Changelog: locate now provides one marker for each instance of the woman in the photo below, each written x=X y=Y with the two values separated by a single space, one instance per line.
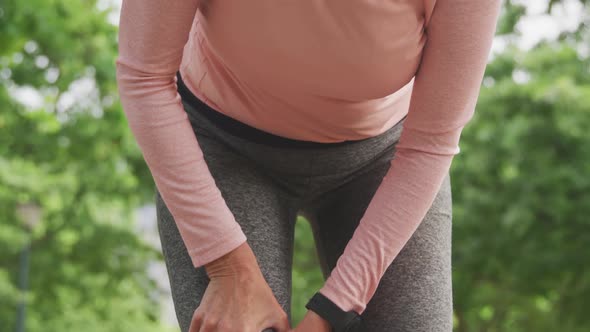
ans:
x=249 y=113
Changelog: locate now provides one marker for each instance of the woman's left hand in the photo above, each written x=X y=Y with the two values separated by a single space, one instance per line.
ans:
x=312 y=323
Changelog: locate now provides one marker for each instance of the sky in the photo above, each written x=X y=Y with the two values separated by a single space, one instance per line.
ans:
x=537 y=25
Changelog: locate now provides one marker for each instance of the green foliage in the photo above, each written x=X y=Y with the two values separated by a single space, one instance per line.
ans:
x=81 y=165
x=520 y=184
x=511 y=14
x=521 y=190
x=307 y=276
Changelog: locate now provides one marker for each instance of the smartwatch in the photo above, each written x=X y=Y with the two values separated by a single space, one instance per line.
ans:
x=339 y=320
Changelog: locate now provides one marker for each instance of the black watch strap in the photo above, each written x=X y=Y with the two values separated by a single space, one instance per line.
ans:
x=339 y=320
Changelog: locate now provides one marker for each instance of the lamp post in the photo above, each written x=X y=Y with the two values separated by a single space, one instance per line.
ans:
x=30 y=215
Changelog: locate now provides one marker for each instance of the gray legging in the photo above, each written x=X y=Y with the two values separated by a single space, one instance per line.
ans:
x=266 y=187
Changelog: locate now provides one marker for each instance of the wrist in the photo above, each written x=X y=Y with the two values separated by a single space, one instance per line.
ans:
x=318 y=321
x=338 y=319
x=240 y=261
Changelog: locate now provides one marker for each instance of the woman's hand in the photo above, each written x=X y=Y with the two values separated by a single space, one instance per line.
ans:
x=238 y=299
x=312 y=322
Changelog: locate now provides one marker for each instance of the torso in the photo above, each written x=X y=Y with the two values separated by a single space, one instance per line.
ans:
x=257 y=60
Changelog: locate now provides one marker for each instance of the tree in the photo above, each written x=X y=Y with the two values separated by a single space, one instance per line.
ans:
x=78 y=161
x=521 y=191
x=520 y=183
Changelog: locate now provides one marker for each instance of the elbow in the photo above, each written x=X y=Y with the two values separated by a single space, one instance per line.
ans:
x=440 y=152
x=130 y=74
x=441 y=144
x=137 y=80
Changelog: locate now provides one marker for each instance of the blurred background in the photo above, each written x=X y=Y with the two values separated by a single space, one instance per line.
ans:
x=79 y=249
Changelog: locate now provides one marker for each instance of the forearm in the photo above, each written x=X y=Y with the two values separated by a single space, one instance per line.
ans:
x=152 y=35
x=443 y=101
x=391 y=218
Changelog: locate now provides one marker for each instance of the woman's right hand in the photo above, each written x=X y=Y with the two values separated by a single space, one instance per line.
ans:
x=238 y=297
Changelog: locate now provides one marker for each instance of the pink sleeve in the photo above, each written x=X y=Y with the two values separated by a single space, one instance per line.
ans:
x=446 y=88
x=152 y=36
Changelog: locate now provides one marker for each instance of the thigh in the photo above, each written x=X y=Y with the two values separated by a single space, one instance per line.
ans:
x=266 y=216
x=415 y=293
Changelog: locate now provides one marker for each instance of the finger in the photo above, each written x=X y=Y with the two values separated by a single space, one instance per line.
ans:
x=209 y=324
x=194 y=327
x=195 y=324
x=197 y=320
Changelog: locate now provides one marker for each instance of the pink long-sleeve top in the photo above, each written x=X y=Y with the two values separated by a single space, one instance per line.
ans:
x=316 y=70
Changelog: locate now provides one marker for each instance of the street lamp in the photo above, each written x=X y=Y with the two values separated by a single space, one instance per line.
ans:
x=30 y=215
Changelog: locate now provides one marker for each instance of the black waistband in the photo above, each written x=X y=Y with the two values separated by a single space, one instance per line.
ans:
x=240 y=129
